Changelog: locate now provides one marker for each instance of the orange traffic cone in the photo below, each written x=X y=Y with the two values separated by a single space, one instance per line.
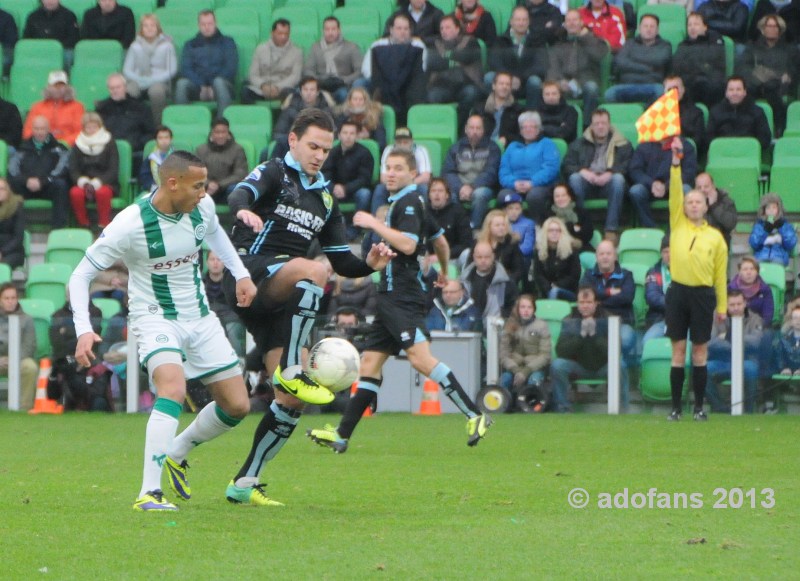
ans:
x=430 y=405
x=368 y=411
x=42 y=405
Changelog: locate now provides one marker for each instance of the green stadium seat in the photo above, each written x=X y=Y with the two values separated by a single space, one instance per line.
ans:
x=26 y=86
x=249 y=151
x=79 y=7
x=588 y=260
x=48 y=281
x=300 y=17
x=139 y=8
x=389 y=122
x=246 y=46
x=639 y=272
x=179 y=23
x=435 y=152
x=3 y=158
x=67 y=246
x=785 y=174
x=20 y=9
x=640 y=246
x=39 y=53
x=5 y=273
x=655 y=373
x=305 y=37
x=434 y=121
x=385 y=9
x=125 y=196
x=735 y=165
x=552 y=309
x=767 y=108
x=375 y=150
x=239 y=22
x=365 y=18
x=107 y=54
x=109 y=308
x=252 y=123
x=730 y=55
x=90 y=84
x=792 y=120
x=624 y=117
x=196 y=5
x=775 y=276
x=190 y=124
x=41 y=311
x=500 y=11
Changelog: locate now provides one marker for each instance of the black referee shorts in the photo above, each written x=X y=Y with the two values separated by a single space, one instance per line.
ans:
x=690 y=309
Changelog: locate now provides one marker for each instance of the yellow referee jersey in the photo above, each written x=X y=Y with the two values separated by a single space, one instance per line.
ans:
x=698 y=254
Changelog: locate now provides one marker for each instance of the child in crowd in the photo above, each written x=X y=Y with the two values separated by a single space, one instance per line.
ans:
x=148 y=174
x=523 y=226
x=773 y=238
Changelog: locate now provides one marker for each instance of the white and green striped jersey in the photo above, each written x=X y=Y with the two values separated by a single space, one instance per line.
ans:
x=162 y=253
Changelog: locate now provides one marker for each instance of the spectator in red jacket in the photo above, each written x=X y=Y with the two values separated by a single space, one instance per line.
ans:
x=606 y=22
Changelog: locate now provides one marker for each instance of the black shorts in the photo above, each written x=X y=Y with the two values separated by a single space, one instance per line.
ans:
x=268 y=327
x=690 y=309
x=396 y=326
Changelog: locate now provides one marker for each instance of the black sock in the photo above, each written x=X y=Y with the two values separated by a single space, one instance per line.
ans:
x=359 y=402
x=699 y=378
x=676 y=377
x=271 y=434
x=301 y=309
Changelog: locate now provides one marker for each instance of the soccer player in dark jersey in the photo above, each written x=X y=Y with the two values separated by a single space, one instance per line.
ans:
x=281 y=208
x=400 y=320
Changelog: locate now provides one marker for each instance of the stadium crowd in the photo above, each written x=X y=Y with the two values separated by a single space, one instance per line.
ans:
x=521 y=118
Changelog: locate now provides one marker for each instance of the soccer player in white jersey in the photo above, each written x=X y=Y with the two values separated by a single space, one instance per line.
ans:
x=159 y=238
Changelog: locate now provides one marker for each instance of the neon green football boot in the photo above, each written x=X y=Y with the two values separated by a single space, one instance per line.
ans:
x=294 y=381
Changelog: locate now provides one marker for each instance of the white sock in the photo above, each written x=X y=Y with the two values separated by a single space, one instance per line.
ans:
x=160 y=432
x=206 y=426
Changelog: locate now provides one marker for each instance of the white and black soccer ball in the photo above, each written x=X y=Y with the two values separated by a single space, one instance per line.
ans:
x=334 y=363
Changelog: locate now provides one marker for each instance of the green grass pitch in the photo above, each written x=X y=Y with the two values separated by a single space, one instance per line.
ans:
x=409 y=500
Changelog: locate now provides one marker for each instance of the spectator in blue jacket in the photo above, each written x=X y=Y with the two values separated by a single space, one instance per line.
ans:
x=454 y=310
x=208 y=65
x=470 y=169
x=656 y=283
x=615 y=290
x=649 y=173
x=773 y=238
x=530 y=167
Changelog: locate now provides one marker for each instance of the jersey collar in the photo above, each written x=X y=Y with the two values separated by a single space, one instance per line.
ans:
x=321 y=182
x=403 y=192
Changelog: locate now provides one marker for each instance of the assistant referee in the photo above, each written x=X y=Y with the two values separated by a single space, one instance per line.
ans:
x=699 y=266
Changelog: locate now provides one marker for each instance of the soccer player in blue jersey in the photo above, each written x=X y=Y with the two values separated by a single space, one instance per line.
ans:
x=401 y=309
x=281 y=209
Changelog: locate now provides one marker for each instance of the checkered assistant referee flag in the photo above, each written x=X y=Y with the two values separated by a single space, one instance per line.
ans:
x=661 y=120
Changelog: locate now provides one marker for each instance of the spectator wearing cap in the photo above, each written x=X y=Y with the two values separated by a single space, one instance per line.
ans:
x=471 y=167
x=524 y=227
x=404 y=141
x=59 y=107
x=529 y=167
x=656 y=283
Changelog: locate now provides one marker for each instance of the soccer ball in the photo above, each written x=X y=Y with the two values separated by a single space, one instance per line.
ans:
x=334 y=363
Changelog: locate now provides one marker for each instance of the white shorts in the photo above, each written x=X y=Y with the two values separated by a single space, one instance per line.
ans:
x=201 y=344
